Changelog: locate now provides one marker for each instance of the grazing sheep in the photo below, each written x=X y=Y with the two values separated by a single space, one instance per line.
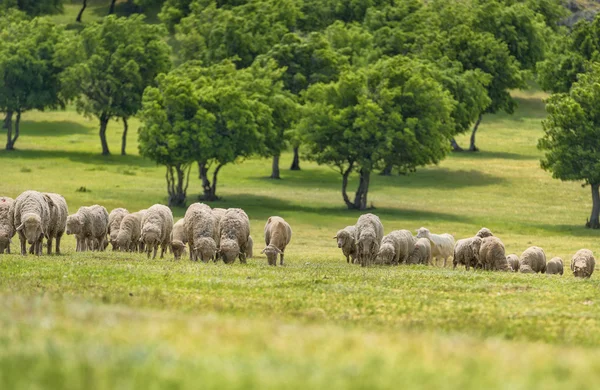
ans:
x=395 y=247
x=202 y=232
x=442 y=245
x=369 y=233
x=555 y=266
x=114 y=222
x=346 y=241
x=513 y=262
x=492 y=255
x=466 y=252
x=178 y=239
x=130 y=231
x=58 y=221
x=157 y=225
x=234 y=230
x=249 y=245
x=90 y=226
x=583 y=263
x=278 y=234
x=526 y=269
x=535 y=258
x=421 y=253
x=30 y=214
x=7 y=230
x=484 y=232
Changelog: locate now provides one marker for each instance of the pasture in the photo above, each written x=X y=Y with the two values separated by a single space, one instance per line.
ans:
x=115 y=320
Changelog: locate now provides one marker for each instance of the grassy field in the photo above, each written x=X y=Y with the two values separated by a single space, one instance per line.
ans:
x=106 y=320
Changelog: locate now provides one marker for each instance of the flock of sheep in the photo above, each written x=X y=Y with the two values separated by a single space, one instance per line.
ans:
x=213 y=234
x=365 y=244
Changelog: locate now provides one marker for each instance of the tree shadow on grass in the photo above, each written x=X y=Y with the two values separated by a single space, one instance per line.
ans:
x=75 y=156
x=485 y=155
x=52 y=129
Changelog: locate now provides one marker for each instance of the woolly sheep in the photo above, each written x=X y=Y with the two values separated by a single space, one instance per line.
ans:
x=234 y=230
x=442 y=245
x=278 y=234
x=466 y=252
x=346 y=241
x=492 y=254
x=396 y=247
x=583 y=263
x=178 y=239
x=555 y=266
x=130 y=231
x=114 y=223
x=369 y=233
x=157 y=225
x=484 y=232
x=90 y=226
x=421 y=253
x=201 y=229
x=7 y=230
x=58 y=221
x=533 y=257
x=513 y=262
x=30 y=214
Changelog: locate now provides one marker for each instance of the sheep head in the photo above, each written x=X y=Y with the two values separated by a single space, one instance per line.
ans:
x=343 y=237
x=271 y=251
x=526 y=269
x=178 y=249
x=31 y=228
x=74 y=224
x=580 y=269
x=5 y=240
x=229 y=250
x=484 y=232
x=206 y=249
x=386 y=253
x=150 y=236
x=423 y=233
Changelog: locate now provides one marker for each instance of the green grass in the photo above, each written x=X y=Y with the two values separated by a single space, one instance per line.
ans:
x=106 y=320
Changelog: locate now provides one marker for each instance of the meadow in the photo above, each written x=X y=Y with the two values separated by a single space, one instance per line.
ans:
x=115 y=320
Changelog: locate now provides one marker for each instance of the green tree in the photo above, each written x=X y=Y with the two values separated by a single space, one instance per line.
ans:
x=392 y=112
x=33 y=7
x=109 y=64
x=571 y=141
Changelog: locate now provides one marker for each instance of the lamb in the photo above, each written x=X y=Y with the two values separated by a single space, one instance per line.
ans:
x=555 y=266
x=513 y=262
x=278 y=234
x=234 y=231
x=157 y=225
x=58 y=221
x=583 y=263
x=466 y=252
x=534 y=258
x=346 y=241
x=484 y=232
x=202 y=232
x=369 y=233
x=90 y=226
x=130 y=231
x=492 y=254
x=421 y=253
x=7 y=230
x=30 y=214
x=178 y=239
x=442 y=245
x=114 y=222
x=396 y=247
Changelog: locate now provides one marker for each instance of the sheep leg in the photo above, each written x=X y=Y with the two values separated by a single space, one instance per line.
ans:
x=155 y=250
x=49 y=243
x=243 y=259
x=281 y=259
x=191 y=251
x=8 y=249
x=162 y=251
x=23 y=244
x=58 y=238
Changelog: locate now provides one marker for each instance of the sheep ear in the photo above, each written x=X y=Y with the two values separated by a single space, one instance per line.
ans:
x=20 y=227
x=49 y=200
x=335 y=237
x=263 y=251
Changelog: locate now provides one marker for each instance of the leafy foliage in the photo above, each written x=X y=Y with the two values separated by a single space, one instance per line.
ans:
x=33 y=7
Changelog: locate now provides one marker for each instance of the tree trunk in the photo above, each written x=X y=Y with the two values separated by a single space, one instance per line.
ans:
x=6 y=121
x=296 y=161
x=472 y=147
x=455 y=146
x=124 y=138
x=8 y=124
x=275 y=168
x=210 y=189
x=177 y=184
x=387 y=171
x=111 y=10
x=103 y=123
x=345 y=175
x=594 y=222
x=17 y=129
x=360 y=198
x=80 y=14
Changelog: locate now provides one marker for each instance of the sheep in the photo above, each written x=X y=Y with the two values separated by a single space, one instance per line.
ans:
x=492 y=255
x=513 y=262
x=234 y=230
x=178 y=239
x=114 y=222
x=421 y=253
x=130 y=230
x=396 y=247
x=219 y=213
x=157 y=225
x=30 y=214
x=278 y=234
x=484 y=232
x=369 y=233
x=201 y=229
x=7 y=230
x=346 y=241
x=555 y=266
x=58 y=221
x=442 y=245
x=466 y=252
x=90 y=226
x=533 y=257
x=249 y=245
x=583 y=263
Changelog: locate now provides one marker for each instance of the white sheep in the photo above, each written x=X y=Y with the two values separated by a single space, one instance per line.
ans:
x=532 y=258
x=369 y=233
x=492 y=255
x=513 y=262
x=396 y=247
x=114 y=223
x=90 y=226
x=442 y=245
x=555 y=266
x=58 y=221
x=421 y=253
x=466 y=252
x=7 y=230
x=346 y=241
x=157 y=225
x=278 y=234
x=130 y=231
x=202 y=232
x=178 y=239
x=234 y=230
x=583 y=263
x=30 y=214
